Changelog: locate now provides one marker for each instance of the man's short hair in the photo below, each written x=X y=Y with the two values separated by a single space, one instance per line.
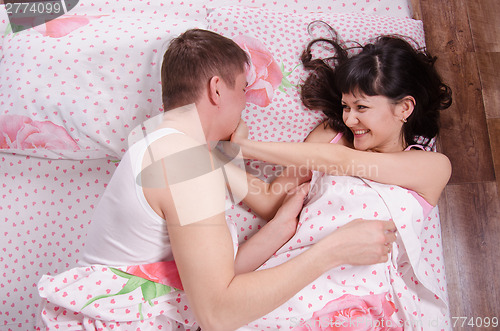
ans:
x=192 y=59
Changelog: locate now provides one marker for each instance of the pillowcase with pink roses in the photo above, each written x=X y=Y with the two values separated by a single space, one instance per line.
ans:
x=274 y=41
x=74 y=87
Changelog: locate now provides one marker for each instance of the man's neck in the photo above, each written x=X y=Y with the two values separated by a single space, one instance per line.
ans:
x=187 y=120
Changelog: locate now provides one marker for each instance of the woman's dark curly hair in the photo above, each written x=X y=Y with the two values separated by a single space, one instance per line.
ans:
x=387 y=66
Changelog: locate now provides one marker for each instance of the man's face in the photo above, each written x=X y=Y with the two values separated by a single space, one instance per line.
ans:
x=233 y=101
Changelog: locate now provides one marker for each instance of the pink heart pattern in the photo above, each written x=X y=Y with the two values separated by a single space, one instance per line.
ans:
x=47 y=204
x=97 y=77
x=46 y=207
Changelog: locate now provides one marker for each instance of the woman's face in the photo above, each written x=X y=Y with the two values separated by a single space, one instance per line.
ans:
x=374 y=121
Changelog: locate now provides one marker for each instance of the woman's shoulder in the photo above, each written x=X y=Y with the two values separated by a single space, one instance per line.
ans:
x=323 y=133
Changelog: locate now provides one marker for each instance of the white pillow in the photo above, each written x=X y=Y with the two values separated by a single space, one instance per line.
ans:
x=4 y=21
x=275 y=41
x=196 y=9
x=95 y=77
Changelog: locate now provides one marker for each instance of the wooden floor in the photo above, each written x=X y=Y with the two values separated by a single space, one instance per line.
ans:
x=465 y=35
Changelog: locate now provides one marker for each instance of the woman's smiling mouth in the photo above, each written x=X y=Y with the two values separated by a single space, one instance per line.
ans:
x=360 y=132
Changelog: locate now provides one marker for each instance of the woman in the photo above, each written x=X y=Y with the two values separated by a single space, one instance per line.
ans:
x=379 y=101
x=380 y=104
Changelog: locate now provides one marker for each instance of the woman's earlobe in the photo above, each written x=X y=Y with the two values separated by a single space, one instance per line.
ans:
x=407 y=105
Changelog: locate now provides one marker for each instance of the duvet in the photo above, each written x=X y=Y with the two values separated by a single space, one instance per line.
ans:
x=406 y=293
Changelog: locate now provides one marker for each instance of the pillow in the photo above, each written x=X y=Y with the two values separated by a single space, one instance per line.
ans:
x=90 y=78
x=4 y=21
x=274 y=41
x=196 y=9
x=193 y=10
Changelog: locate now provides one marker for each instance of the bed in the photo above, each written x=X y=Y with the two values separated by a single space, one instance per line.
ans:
x=71 y=91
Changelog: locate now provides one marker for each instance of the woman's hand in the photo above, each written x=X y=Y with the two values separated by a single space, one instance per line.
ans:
x=287 y=216
x=362 y=242
x=240 y=134
x=263 y=244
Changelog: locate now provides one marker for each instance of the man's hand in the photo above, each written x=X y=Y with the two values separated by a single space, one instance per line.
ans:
x=240 y=134
x=362 y=242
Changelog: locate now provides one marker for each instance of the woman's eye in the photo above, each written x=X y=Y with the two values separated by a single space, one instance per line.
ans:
x=361 y=107
x=345 y=108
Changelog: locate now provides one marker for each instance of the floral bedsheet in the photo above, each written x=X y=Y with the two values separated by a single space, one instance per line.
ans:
x=406 y=293
x=143 y=297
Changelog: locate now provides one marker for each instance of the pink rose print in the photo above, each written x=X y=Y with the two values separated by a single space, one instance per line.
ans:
x=63 y=25
x=21 y=132
x=154 y=279
x=264 y=74
x=350 y=312
x=160 y=272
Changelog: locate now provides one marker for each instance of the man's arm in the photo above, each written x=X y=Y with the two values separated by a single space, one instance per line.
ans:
x=203 y=251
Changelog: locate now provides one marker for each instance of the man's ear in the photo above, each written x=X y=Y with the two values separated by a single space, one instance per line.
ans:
x=213 y=90
x=406 y=106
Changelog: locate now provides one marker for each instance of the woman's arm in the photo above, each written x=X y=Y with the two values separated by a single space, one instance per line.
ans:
x=423 y=172
x=264 y=198
x=265 y=242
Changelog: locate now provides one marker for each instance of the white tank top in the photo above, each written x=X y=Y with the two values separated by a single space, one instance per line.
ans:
x=125 y=230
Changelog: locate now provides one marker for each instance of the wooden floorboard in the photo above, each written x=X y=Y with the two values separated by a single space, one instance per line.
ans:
x=494 y=130
x=446 y=25
x=465 y=36
x=489 y=64
x=464 y=131
x=470 y=228
x=485 y=27
x=485 y=24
